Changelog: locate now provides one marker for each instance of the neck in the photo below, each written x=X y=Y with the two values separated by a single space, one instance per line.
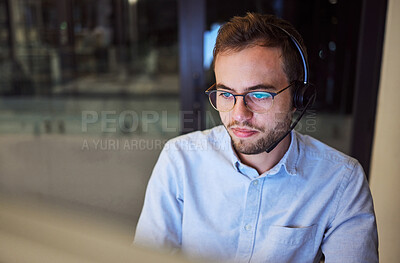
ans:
x=264 y=161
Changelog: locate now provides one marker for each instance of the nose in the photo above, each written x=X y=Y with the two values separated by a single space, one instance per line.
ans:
x=240 y=112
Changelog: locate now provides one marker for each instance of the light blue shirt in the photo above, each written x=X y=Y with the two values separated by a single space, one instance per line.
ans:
x=203 y=201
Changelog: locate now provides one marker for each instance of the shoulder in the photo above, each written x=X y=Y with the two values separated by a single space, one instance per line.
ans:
x=311 y=149
x=329 y=170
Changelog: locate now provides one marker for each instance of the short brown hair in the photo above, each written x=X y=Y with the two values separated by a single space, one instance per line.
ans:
x=257 y=29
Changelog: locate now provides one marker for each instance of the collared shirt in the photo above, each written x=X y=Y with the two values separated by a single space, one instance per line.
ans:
x=203 y=201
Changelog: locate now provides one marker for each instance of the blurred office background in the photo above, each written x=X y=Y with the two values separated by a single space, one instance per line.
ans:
x=91 y=90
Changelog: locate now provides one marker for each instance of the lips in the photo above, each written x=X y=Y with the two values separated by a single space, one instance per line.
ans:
x=243 y=132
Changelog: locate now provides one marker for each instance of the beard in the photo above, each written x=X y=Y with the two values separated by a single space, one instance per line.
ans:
x=268 y=137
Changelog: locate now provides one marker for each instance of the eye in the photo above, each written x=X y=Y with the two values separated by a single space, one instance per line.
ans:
x=260 y=95
x=225 y=94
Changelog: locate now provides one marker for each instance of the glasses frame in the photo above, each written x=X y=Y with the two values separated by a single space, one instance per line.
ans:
x=273 y=95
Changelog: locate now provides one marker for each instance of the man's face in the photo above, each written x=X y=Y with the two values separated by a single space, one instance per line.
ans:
x=239 y=72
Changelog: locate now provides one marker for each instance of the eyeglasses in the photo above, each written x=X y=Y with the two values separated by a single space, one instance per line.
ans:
x=255 y=101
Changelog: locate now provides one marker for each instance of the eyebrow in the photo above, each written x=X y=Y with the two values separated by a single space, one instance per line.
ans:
x=252 y=88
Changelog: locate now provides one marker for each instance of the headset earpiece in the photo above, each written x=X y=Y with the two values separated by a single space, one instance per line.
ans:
x=303 y=93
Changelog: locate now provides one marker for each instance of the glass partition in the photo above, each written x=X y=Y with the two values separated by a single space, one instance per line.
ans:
x=89 y=94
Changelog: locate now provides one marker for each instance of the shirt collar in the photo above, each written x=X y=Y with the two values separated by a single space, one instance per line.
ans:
x=288 y=161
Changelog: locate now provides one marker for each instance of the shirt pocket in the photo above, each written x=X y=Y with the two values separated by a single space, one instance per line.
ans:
x=291 y=244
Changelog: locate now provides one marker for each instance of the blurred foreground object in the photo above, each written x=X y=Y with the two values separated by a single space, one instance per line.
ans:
x=31 y=231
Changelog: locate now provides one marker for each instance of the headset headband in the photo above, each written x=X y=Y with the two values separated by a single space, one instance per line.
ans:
x=300 y=49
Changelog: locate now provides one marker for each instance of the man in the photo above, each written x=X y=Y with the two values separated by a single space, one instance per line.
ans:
x=219 y=194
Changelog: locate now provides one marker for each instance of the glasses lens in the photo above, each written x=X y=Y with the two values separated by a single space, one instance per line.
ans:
x=259 y=101
x=221 y=100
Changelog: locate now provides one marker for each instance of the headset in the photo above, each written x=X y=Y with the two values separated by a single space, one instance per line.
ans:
x=304 y=93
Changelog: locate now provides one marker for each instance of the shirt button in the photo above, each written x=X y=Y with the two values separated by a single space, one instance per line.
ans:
x=247 y=227
x=255 y=182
